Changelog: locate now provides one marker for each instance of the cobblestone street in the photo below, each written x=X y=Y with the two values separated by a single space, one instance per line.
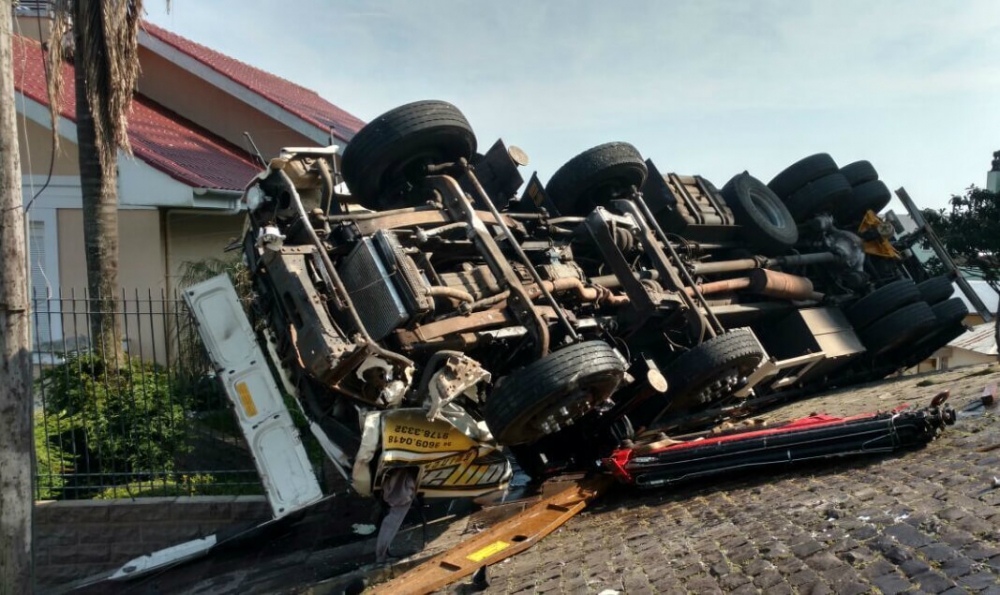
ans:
x=924 y=521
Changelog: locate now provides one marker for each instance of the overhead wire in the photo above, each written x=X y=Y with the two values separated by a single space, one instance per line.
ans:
x=52 y=151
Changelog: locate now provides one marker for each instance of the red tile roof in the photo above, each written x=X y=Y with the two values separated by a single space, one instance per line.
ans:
x=163 y=139
x=296 y=99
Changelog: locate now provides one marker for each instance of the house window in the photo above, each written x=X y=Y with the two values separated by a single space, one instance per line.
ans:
x=46 y=327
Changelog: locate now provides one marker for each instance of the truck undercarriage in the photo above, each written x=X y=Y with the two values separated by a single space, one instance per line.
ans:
x=615 y=303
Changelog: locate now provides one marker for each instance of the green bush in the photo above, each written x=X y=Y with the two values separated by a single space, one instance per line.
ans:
x=128 y=417
x=52 y=434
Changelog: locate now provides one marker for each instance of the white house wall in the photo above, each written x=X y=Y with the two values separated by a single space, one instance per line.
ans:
x=139 y=184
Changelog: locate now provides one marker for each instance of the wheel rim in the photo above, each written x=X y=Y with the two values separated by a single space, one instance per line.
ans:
x=766 y=208
x=562 y=408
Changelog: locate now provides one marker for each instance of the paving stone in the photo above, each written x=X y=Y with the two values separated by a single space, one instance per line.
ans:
x=807 y=548
x=933 y=582
x=891 y=584
x=824 y=561
x=744 y=589
x=912 y=568
x=957 y=567
x=907 y=535
x=938 y=552
x=803 y=577
x=974 y=525
x=755 y=567
x=856 y=557
x=818 y=588
x=703 y=584
x=768 y=578
x=980 y=551
x=780 y=589
x=690 y=570
x=878 y=568
x=978 y=581
x=732 y=580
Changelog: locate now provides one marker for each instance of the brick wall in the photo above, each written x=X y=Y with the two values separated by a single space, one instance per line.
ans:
x=78 y=539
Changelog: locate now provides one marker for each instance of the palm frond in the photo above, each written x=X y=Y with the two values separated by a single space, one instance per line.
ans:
x=106 y=34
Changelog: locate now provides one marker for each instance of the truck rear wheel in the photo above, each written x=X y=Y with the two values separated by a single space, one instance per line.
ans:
x=802 y=172
x=881 y=302
x=869 y=196
x=859 y=172
x=765 y=221
x=552 y=392
x=898 y=328
x=936 y=289
x=702 y=376
x=951 y=311
x=592 y=178
x=818 y=195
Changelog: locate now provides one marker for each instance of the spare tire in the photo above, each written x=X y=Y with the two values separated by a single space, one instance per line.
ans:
x=702 y=375
x=936 y=289
x=868 y=196
x=553 y=391
x=802 y=172
x=859 y=172
x=393 y=148
x=764 y=220
x=882 y=301
x=951 y=311
x=592 y=178
x=898 y=328
x=818 y=195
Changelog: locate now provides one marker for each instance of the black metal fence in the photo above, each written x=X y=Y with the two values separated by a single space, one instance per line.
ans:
x=144 y=420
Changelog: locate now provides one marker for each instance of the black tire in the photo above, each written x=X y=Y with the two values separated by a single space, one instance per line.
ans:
x=802 y=172
x=907 y=356
x=905 y=325
x=936 y=290
x=575 y=378
x=859 y=172
x=818 y=195
x=882 y=301
x=593 y=177
x=765 y=222
x=950 y=312
x=392 y=148
x=702 y=376
x=869 y=196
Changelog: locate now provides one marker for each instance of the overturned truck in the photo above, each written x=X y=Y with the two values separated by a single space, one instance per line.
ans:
x=425 y=314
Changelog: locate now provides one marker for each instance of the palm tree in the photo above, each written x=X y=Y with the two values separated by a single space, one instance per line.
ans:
x=105 y=50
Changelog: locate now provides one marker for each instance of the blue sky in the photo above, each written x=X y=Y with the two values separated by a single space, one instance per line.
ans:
x=710 y=88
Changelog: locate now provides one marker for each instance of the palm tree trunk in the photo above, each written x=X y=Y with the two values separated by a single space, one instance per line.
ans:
x=99 y=186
